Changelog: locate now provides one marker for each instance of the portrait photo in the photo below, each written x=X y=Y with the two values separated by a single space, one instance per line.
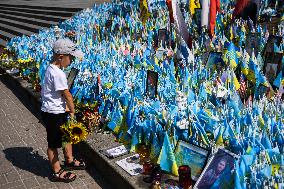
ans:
x=193 y=156
x=71 y=77
x=218 y=171
x=162 y=38
x=253 y=43
x=152 y=84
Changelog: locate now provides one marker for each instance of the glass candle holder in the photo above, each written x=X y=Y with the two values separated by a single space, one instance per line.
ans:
x=185 y=180
x=147 y=166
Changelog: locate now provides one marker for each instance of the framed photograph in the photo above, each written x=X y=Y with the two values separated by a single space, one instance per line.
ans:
x=152 y=84
x=215 y=61
x=193 y=156
x=253 y=43
x=218 y=172
x=269 y=47
x=163 y=38
x=71 y=77
x=272 y=65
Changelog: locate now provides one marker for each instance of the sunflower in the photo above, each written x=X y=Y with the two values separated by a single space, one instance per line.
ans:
x=74 y=132
x=77 y=132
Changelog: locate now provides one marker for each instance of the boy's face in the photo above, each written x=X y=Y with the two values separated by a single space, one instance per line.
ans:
x=66 y=60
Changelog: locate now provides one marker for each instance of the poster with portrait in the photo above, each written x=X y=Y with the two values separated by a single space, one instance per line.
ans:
x=193 y=156
x=218 y=172
x=71 y=77
x=152 y=84
x=253 y=43
x=163 y=38
x=272 y=65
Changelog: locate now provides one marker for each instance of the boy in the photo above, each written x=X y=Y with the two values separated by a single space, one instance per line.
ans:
x=55 y=96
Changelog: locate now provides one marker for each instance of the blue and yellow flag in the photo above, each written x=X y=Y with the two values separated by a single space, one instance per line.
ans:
x=116 y=120
x=230 y=56
x=167 y=159
x=155 y=148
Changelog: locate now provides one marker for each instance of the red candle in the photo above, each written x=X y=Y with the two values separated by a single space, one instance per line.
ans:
x=185 y=176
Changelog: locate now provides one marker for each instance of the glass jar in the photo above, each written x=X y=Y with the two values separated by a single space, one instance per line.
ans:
x=184 y=172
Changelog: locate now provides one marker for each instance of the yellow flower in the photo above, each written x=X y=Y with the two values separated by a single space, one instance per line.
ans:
x=77 y=132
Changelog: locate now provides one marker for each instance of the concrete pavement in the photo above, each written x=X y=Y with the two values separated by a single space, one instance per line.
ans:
x=23 y=159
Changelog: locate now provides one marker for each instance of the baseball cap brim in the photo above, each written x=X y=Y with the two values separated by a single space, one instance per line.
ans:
x=78 y=54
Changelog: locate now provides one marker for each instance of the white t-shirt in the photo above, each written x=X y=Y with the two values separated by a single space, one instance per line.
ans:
x=55 y=81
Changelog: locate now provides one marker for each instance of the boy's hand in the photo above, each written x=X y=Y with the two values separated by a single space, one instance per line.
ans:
x=67 y=109
x=72 y=116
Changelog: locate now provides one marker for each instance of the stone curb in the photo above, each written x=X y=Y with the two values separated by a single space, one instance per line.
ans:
x=89 y=149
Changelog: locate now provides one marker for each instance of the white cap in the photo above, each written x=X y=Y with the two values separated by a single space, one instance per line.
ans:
x=66 y=46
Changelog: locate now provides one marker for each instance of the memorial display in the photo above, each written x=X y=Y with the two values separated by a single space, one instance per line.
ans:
x=160 y=72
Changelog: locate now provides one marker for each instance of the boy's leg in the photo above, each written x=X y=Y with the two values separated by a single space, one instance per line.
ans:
x=52 y=154
x=68 y=153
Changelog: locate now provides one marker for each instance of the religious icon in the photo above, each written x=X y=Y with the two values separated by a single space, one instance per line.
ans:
x=218 y=171
x=152 y=84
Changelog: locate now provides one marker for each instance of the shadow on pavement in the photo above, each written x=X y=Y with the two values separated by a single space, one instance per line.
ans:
x=26 y=159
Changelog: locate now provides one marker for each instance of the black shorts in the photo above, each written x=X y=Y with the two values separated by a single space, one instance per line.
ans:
x=52 y=124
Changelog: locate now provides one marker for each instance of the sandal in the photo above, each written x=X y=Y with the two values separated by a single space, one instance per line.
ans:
x=73 y=165
x=56 y=177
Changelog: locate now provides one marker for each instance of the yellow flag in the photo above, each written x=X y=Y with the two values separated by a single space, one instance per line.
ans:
x=193 y=5
x=144 y=11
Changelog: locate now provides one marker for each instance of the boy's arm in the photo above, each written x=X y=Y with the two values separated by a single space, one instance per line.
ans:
x=69 y=102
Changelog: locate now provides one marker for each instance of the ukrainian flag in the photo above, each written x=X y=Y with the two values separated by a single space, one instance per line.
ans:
x=155 y=148
x=230 y=56
x=167 y=158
